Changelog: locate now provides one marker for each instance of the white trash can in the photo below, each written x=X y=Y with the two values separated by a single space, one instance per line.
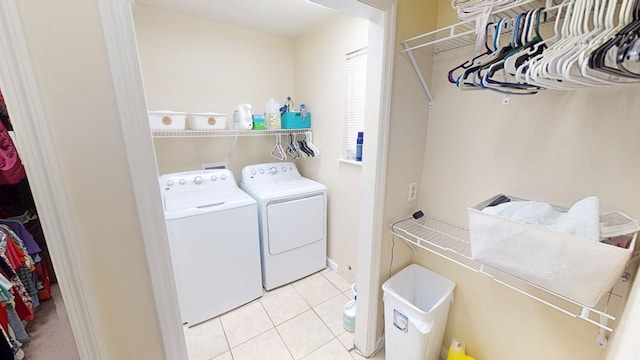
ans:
x=416 y=306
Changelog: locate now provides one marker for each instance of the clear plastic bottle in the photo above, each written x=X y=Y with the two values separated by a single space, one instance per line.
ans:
x=272 y=114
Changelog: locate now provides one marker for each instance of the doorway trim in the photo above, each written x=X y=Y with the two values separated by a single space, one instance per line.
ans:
x=126 y=74
x=47 y=180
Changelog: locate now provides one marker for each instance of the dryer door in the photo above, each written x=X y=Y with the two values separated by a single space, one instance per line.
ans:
x=295 y=223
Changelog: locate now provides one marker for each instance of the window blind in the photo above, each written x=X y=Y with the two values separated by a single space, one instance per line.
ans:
x=356 y=86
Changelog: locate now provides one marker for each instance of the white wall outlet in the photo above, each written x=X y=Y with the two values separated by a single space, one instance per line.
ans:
x=413 y=191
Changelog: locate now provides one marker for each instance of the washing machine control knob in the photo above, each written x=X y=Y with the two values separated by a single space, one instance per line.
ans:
x=253 y=171
x=261 y=171
x=197 y=180
x=223 y=177
x=273 y=170
x=170 y=183
x=214 y=178
x=284 y=169
x=182 y=181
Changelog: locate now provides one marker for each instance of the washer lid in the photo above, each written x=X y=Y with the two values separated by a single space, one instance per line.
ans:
x=204 y=199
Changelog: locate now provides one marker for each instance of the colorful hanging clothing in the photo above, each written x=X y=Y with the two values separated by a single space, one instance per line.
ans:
x=11 y=169
x=24 y=303
x=24 y=234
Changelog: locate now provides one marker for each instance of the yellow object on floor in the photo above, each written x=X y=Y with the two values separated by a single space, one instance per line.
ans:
x=457 y=351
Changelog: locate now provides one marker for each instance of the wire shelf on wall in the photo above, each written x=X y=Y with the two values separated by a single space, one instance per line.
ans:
x=451 y=242
x=223 y=133
x=464 y=33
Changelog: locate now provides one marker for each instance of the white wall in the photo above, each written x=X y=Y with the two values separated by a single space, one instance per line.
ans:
x=67 y=49
x=320 y=84
x=191 y=64
x=555 y=146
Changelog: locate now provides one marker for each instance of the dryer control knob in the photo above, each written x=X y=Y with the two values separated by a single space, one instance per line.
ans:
x=253 y=171
x=182 y=181
x=273 y=170
x=214 y=178
x=284 y=169
x=170 y=183
x=197 y=180
x=223 y=177
x=261 y=171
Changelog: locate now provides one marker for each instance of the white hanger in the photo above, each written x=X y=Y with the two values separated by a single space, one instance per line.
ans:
x=309 y=139
x=278 y=152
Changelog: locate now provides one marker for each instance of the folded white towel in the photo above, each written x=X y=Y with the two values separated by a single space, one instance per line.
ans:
x=582 y=219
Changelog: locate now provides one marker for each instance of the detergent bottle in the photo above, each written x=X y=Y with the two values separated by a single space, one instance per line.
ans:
x=242 y=118
x=272 y=114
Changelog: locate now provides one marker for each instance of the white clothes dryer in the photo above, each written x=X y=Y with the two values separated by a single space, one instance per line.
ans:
x=215 y=247
x=293 y=221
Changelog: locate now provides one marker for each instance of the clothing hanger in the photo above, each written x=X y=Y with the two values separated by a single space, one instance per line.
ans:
x=309 y=141
x=523 y=70
x=471 y=62
x=302 y=144
x=597 y=60
x=610 y=30
x=291 y=148
x=463 y=80
x=539 y=69
x=525 y=38
x=278 y=152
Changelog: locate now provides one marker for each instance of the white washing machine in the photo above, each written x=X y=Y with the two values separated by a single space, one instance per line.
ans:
x=215 y=246
x=293 y=221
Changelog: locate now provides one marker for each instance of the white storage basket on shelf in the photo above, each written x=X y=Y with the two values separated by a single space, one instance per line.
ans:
x=576 y=268
x=167 y=120
x=206 y=121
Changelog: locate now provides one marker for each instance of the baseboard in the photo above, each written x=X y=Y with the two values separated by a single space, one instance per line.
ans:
x=444 y=352
x=332 y=265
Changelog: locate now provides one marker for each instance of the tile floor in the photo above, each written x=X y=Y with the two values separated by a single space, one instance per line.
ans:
x=302 y=320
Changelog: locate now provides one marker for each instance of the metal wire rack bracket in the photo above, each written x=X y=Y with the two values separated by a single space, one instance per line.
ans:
x=452 y=243
x=463 y=34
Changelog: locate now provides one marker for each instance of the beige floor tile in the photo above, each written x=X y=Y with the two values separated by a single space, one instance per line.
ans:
x=225 y=356
x=245 y=323
x=338 y=281
x=333 y=350
x=326 y=270
x=316 y=290
x=267 y=346
x=284 y=305
x=331 y=312
x=356 y=356
x=206 y=340
x=346 y=339
x=267 y=294
x=304 y=333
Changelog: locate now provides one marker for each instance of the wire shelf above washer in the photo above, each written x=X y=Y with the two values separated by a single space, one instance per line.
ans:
x=452 y=242
x=223 y=133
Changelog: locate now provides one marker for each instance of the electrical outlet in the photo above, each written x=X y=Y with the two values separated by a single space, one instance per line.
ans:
x=413 y=191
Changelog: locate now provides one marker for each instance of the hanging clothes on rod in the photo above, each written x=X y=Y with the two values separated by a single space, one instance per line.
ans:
x=11 y=169
x=588 y=48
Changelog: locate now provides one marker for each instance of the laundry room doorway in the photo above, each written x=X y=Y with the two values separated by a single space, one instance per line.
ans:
x=222 y=52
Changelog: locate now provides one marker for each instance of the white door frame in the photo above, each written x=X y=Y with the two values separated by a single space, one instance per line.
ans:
x=47 y=180
x=17 y=78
